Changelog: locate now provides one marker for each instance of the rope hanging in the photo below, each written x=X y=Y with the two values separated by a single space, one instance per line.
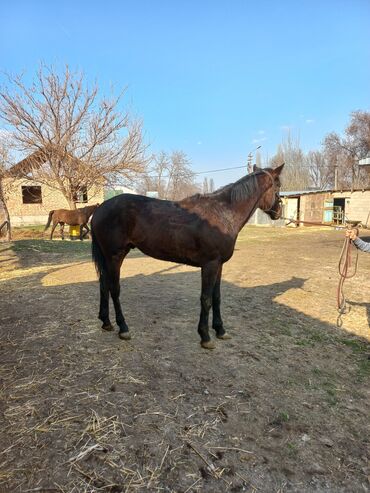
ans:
x=344 y=268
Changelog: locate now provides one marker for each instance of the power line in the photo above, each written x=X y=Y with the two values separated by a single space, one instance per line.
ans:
x=202 y=172
x=216 y=170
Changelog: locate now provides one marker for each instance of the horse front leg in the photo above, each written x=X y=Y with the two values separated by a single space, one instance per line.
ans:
x=83 y=235
x=217 y=323
x=209 y=276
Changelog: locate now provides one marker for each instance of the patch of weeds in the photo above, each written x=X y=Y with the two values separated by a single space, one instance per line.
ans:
x=312 y=338
x=309 y=385
x=318 y=337
x=285 y=330
x=356 y=345
x=266 y=340
x=304 y=343
x=292 y=449
x=36 y=231
x=280 y=327
x=317 y=371
x=282 y=417
x=46 y=246
x=332 y=397
x=363 y=371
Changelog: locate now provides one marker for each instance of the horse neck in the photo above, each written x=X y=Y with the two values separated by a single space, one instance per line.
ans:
x=245 y=208
x=90 y=208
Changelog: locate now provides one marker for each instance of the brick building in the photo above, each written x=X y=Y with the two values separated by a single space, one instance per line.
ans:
x=29 y=202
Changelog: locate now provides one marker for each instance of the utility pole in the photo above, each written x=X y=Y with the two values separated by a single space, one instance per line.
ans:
x=250 y=158
x=336 y=175
x=249 y=163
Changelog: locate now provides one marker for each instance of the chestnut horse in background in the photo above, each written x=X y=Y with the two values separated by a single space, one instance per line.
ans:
x=76 y=217
x=200 y=231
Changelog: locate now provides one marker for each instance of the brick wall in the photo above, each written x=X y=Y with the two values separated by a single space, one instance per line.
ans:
x=359 y=206
x=30 y=214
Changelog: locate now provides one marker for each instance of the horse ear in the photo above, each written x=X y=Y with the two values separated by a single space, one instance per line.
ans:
x=256 y=168
x=279 y=169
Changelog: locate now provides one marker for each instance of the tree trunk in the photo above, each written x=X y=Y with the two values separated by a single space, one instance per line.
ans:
x=70 y=200
x=72 y=204
x=6 y=224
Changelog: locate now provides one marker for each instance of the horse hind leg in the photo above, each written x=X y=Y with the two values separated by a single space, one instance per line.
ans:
x=104 y=302
x=114 y=268
x=53 y=229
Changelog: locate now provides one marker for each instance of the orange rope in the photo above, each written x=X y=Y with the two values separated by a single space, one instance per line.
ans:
x=344 y=266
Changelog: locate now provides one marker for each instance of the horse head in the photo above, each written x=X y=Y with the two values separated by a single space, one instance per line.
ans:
x=270 y=201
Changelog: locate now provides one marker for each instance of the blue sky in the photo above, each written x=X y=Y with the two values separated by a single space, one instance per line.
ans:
x=212 y=78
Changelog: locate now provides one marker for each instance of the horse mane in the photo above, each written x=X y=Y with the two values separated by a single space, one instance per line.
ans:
x=235 y=192
x=243 y=188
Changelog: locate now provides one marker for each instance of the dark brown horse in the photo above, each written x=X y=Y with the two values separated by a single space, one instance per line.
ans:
x=200 y=230
x=76 y=217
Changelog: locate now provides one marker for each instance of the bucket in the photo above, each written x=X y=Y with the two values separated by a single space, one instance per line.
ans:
x=74 y=232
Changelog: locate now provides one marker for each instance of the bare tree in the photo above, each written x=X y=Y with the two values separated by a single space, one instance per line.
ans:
x=73 y=139
x=345 y=152
x=181 y=180
x=321 y=173
x=341 y=158
x=296 y=175
x=5 y=225
x=162 y=165
x=358 y=132
x=171 y=176
x=211 y=185
x=205 y=185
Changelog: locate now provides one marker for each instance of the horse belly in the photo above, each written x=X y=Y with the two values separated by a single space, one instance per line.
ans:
x=168 y=242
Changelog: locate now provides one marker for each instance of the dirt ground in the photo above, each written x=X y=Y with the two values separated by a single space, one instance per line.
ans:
x=283 y=406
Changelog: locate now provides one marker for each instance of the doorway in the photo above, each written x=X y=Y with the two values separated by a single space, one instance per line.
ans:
x=339 y=210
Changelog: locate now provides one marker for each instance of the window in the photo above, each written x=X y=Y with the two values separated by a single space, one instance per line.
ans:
x=80 y=194
x=31 y=195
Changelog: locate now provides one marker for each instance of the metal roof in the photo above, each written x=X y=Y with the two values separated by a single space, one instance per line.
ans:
x=295 y=193
x=301 y=192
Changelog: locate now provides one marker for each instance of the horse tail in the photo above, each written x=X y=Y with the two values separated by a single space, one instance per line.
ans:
x=97 y=255
x=49 y=220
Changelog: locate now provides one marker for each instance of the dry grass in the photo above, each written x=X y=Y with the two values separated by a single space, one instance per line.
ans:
x=84 y=412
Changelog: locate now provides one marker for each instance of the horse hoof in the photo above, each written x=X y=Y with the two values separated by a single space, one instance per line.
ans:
x=208 y=344
x=108 y=327
x=224 y=337
x=126 y=336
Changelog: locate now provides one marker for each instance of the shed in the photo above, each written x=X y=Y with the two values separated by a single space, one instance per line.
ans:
x=328 y=206
x=323 y=206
